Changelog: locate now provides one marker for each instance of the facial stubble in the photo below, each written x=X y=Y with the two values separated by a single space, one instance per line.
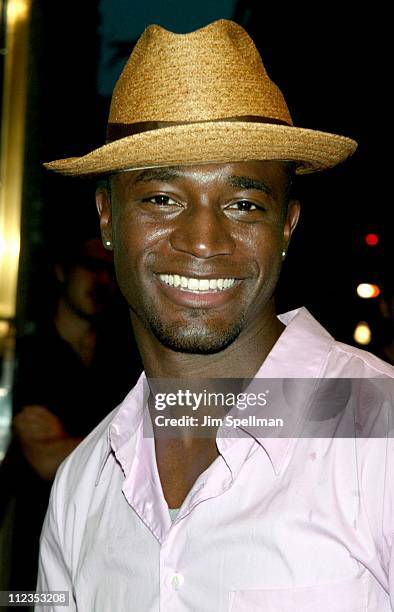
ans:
x=195 y=336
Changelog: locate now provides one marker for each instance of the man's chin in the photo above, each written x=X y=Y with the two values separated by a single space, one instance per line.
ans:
x=195 y=341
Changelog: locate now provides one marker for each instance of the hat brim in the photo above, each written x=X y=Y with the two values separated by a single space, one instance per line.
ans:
x=212 y=142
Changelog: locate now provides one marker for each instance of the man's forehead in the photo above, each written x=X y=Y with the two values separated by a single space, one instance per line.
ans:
x=204 y=171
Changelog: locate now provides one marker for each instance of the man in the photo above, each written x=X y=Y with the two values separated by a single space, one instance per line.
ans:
x=200 y=153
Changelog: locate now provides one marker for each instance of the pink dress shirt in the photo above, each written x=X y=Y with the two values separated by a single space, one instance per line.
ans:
x=275 y=524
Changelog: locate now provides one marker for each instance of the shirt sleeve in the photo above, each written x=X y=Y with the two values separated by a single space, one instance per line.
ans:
x=53 y=573
x=388 y=518
x=391 y=579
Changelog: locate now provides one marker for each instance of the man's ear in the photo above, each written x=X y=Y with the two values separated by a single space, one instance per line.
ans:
x=292 y=216
x=104 y=209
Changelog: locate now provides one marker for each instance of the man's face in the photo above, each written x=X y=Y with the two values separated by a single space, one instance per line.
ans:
x=198 y=249
x=89 y=285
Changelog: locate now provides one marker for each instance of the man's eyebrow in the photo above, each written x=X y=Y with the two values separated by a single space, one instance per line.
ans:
x=158 y=174
x=247 y=182
x=173 y=172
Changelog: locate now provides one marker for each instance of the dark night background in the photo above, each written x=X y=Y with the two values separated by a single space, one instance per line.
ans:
x=333 y=78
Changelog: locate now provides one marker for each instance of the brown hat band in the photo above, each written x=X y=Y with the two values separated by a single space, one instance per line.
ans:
x=116 y=131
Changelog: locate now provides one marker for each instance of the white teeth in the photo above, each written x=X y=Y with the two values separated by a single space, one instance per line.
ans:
x=197 y=284
x=203 y=284
x=192 y=284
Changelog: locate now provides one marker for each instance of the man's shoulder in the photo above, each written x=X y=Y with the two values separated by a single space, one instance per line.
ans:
x=308 y=349
x=82 y=471
x=358 y=363
x=81 y=468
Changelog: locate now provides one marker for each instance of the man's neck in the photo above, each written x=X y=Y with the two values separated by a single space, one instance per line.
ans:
x=242 y=359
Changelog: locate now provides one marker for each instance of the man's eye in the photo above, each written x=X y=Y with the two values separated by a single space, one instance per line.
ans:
x=160 y=200
x=245 y=206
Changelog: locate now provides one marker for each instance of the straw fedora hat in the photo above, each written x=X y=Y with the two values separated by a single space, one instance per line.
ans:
x=198 y=98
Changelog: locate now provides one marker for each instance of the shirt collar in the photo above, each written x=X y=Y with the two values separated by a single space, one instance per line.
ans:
x=300 y=352
x=121 y=433
x=302 y=349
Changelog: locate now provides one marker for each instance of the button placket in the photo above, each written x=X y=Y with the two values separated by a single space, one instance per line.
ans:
x=172 y=579
x=176 y=581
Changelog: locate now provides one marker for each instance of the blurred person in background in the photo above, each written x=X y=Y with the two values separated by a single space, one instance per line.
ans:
x=70 y=373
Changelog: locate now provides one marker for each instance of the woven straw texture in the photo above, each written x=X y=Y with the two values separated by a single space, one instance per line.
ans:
x=200 y=81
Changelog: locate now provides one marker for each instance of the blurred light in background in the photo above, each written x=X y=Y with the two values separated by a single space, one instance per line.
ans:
x=12 y=149
x=17 y=9
x=371 y=239
x=366 y=290
x=362 y=333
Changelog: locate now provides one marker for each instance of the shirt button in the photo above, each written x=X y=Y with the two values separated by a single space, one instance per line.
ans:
x=176 y=581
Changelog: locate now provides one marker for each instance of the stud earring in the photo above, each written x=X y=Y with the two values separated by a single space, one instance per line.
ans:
x=107 y=243
x=283 y=254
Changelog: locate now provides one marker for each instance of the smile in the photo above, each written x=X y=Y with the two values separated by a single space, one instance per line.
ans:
x=197 y=284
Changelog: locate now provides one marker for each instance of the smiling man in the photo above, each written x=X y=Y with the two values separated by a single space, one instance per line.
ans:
x=200 y=156
x=200 y=251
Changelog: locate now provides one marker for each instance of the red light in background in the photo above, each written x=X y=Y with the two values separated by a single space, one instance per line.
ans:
x=372 y=239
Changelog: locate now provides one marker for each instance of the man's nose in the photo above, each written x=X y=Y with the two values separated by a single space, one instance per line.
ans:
x=203 y=232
